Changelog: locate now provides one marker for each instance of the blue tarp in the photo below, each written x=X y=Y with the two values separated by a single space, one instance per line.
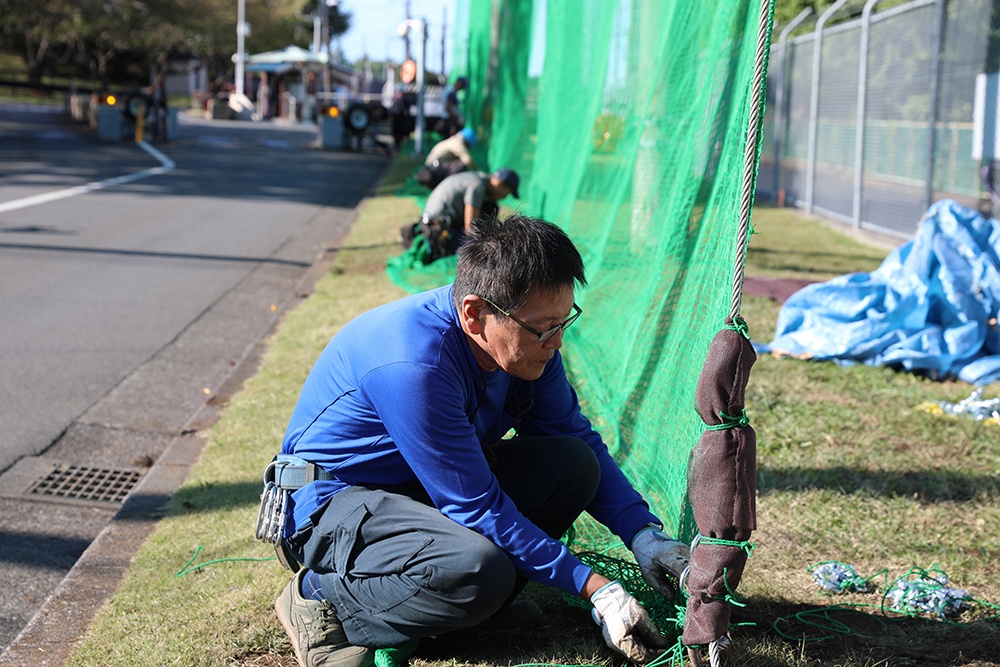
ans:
x=930 y=308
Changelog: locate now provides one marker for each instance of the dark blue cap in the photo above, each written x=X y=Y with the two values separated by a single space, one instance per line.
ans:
x=509 y=178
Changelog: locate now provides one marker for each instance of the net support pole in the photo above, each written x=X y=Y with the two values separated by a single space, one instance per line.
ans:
x=752 y=148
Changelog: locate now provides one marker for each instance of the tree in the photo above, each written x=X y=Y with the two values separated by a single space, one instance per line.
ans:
x=110 y=29
x=338 y=21
x=993 y=45
x=33 y=28
x=121 y=39
x=786 y=10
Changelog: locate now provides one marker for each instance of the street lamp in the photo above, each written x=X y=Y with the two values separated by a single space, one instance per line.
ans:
x=419 y=26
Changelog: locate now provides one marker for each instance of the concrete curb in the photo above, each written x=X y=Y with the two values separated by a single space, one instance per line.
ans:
x=52 y=635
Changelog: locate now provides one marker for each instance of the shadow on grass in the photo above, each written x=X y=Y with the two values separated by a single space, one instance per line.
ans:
x=925 y=485
x=841 y=634
x=212 y=497
x=567 y=632
x=766 y=633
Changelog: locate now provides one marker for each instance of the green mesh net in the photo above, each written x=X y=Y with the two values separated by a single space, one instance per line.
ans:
x=628 y=123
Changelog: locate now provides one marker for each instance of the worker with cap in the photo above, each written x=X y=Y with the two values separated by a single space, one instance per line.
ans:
x=455 y=203
x=464 y=197
x=454 y=118
x=448 y=157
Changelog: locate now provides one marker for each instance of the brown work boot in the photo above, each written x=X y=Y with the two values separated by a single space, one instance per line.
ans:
x=317 y=636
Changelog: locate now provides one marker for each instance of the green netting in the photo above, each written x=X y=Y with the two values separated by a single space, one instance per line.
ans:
x=627 y=121
x=471 y=59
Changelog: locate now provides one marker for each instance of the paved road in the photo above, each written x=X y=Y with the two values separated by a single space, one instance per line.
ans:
x=133 y=284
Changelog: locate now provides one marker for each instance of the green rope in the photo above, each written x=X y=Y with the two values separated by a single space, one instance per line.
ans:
x=917 y=600
x=739 y=324
x=822 y=622
x=187 y=566
x=744 y=545
x=730 y=596
x=672 y=656
x=729 y=421
x=397 y=656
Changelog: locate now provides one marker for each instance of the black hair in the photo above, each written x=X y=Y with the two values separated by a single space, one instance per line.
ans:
x=505 y=261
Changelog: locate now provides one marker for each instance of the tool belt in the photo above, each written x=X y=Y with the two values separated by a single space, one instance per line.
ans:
x=284 y=474
x=437 y=231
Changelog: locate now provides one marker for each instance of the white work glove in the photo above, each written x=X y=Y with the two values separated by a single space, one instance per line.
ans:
x=625 y=625
x=660 y=556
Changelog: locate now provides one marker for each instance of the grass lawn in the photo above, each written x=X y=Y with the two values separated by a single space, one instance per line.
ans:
x=851 y=468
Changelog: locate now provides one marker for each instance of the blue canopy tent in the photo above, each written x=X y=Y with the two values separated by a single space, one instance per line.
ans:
x=289 y=60
x=285 y=60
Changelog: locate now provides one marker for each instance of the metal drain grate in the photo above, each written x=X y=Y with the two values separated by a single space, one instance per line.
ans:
x=84 y=483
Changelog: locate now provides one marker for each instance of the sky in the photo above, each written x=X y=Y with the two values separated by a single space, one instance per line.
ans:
x=374 y=23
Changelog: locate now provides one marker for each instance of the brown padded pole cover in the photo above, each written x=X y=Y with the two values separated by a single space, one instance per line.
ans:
x=723 y=381
x=713 y=567
x=722 y=487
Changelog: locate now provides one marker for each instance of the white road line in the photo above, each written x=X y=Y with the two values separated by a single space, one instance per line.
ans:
x=166 y=164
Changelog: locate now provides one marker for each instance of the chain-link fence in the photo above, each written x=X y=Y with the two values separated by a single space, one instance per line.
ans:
x=870 y=110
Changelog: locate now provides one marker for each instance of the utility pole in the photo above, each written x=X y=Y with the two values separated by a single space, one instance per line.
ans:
x=420 y=26
x=326 y=4
x=406 y=39
x=444 y=32
x=241 y=33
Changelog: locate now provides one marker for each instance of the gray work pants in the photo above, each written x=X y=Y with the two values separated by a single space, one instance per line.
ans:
x=396 y=569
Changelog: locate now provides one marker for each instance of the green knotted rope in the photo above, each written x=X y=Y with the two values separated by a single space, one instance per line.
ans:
x=729 y=421
x=744 y=545
x=739 y=324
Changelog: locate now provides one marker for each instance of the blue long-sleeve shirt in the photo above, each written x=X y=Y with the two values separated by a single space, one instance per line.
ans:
x=397 y=398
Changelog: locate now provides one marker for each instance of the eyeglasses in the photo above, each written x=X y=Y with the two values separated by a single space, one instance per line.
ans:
x=542 y=335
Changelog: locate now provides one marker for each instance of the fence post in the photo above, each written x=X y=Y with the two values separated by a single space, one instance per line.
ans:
x=814 y=103
x=859 y=126
x=939 y=14
x=779 y=99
